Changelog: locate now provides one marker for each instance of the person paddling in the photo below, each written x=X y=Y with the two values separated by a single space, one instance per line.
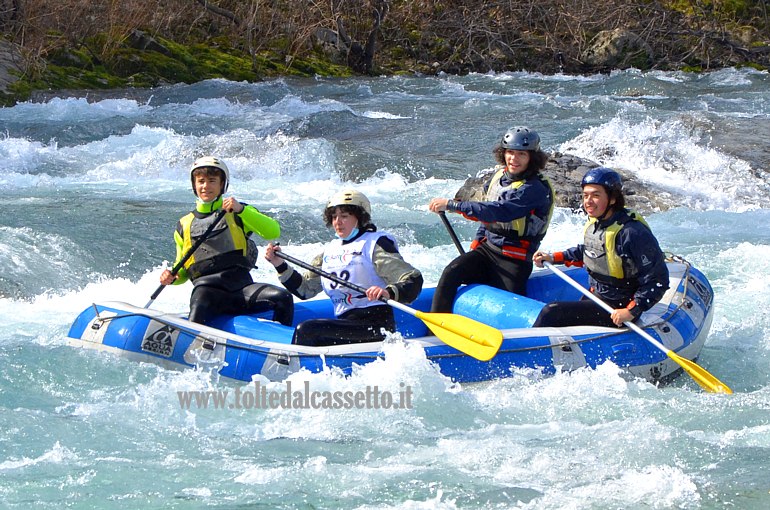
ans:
x=361 y=255
x=625 y=264
x=220 y=267
x=513 y=218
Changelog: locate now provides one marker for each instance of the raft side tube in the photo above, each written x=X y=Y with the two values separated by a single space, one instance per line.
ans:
x=497 y=308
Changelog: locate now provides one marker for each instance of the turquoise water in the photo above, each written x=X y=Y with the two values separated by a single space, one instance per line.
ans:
x=93 y=187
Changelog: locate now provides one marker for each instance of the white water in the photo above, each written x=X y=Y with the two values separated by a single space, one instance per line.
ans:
x=93 y=189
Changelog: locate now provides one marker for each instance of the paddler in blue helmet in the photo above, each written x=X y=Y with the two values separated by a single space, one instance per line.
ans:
x=625 y=264
x=220 y=267
x=513 y=218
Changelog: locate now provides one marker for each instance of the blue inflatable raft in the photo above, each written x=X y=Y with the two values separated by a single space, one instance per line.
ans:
x=241 y=347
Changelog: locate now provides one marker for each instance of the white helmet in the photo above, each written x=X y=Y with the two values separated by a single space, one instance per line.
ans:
x=350 y=197
x=212 y=162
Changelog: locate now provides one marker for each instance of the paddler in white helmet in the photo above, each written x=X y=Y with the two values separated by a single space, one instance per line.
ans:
x=220 y=266
x=361 y=255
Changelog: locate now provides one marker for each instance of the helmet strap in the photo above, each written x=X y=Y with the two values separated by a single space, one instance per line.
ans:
x=608 y=211
x=610 y=206
x=207 y=207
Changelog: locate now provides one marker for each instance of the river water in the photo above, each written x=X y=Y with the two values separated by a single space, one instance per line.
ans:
x=92 y=188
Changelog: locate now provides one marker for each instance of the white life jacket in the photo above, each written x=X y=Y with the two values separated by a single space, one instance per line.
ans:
x=351 y=261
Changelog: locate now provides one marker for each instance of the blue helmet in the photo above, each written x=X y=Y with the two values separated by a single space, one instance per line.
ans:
x=521 y=138
x=603 y=176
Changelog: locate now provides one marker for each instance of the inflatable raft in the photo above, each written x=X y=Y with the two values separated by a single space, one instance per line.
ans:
x=241 y=347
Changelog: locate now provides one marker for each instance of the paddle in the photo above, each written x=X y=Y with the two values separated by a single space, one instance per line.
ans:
x=707 y=381
x=466 y=335
x=179 y=265
x=451 y=231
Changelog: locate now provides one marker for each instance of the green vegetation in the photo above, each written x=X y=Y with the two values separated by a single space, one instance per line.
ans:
x=129 y=67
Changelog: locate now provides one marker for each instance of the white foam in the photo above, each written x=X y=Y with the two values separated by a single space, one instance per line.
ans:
x=671 y=154
x=57 y=454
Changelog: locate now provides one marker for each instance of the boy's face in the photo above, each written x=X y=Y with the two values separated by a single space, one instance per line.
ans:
x=596 y=201
x=208 y=185
x=516 y=161
x=343 y=222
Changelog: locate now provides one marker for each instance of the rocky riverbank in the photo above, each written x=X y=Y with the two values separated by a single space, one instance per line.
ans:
x=72 y=44
x=10 y=66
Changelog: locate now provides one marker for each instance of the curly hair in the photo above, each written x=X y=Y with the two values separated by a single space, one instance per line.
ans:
x=362 y=216
x=537 y=160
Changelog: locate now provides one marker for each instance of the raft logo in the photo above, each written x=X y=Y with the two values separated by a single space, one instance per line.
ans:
x=160 y=341
x=305 y=398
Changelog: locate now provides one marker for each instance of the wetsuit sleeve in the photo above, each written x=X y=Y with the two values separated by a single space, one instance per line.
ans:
x=513 y=203
x=570 y=257
x=263 y=225
x=181 y=275
x=639 y=244
x=404 y=282
x=303 y=286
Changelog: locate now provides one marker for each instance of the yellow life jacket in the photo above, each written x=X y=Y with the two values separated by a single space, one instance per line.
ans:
x=226 y=246
x=599 y=254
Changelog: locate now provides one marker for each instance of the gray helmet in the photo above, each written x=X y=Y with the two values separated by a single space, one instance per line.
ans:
x=603 y=176
x=521 y=138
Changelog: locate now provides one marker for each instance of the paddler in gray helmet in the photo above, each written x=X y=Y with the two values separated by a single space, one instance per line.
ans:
x=513 y=218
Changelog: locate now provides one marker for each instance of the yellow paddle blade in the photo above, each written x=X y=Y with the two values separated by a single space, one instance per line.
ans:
x=707 y=381
x=464 y=334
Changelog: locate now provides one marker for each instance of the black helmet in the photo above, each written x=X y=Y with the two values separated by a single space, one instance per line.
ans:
x=603 y=176
x=521 y=138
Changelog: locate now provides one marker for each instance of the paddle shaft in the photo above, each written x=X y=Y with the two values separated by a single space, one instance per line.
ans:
x=179 y=265
x=464 y=334
x=590 y=295
x=698 y=373
x=452 y=232
x=332 y=277
x=335 y=278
